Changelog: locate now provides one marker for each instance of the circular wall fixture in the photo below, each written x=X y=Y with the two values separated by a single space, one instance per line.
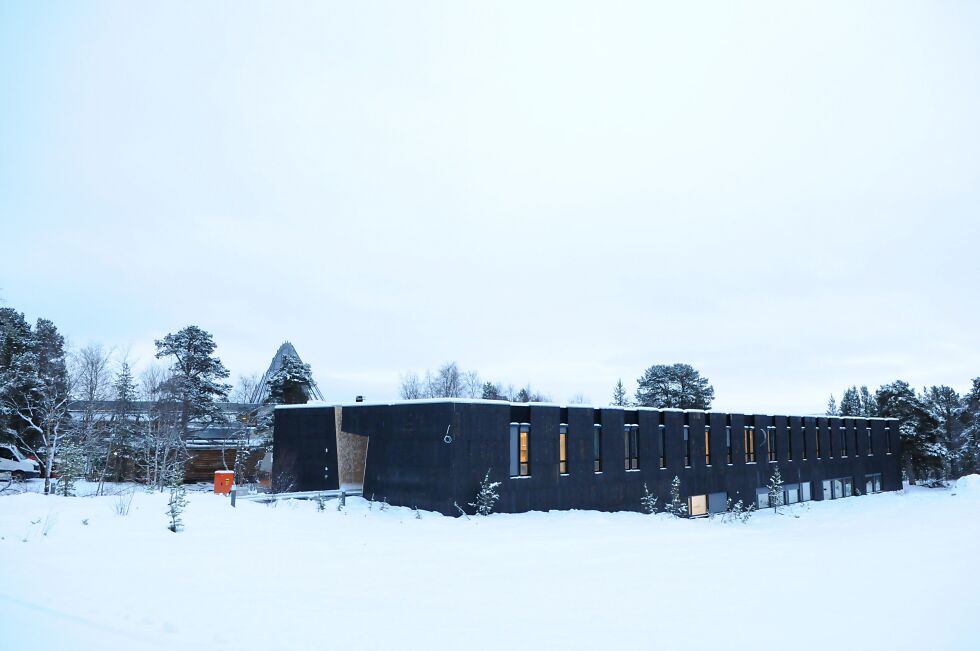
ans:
x=447 y=439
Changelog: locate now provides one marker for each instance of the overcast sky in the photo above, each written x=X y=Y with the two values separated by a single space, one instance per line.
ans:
x=783 y=194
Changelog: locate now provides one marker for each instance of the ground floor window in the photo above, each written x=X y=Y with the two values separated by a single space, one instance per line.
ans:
x=834 y=489
x=717 y=502
x=873 y=483
x=697 y=505
x=793 y=493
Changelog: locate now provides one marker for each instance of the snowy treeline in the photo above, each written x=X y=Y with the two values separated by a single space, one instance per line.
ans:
x=450 y=381
x=939 y=428
x=82 y=413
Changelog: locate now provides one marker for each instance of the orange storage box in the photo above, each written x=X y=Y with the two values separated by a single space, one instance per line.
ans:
x=223 y=479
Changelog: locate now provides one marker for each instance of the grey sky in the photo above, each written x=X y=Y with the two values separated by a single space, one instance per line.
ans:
x=784 y=195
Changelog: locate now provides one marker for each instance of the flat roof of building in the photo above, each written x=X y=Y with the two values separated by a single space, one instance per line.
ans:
x=480 y=401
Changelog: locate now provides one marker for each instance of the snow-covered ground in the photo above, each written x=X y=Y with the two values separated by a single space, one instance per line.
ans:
x=890 y=571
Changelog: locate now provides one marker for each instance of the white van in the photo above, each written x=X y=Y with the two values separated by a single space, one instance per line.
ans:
x=19 y=466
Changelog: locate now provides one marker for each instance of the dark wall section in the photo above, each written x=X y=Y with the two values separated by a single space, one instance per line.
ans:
x=433 y=455
x=304 y=450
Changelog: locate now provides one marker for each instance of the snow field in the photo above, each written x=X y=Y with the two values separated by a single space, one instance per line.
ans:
x=895 y=570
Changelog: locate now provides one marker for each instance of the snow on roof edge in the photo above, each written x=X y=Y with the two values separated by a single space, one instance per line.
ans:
x=481 y=401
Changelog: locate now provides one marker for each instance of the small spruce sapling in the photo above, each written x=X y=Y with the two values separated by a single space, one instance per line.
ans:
x=487 y=496
x=648 y=501
x=71 y=458
x=776 y=490
x=178 y=497
x=677 y=507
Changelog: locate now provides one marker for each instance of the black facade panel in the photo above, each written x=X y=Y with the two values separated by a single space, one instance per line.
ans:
x=304 y=449
x=433 y=455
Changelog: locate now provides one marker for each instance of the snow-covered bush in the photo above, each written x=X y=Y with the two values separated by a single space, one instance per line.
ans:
x=676 y=507
x=648 y=501
x=487 y=496
x=122 y=504
x=737 y=512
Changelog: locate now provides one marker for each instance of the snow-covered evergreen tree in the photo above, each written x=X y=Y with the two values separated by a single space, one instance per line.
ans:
x=832 y=407
x=291 y=384
x=850 y=403
x=923 y=455
x=178 y=498
x=969 y=415
x=195 y=376
x=776 y=489
x=71 y=466
x=493 y=391
x=676 y=507
x=648 y=501
x=869 y=407
x=487 y=496
x=620 y=398
x=34 y=388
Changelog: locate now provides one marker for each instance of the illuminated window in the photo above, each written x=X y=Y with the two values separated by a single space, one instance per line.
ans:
x=771 y=443
x=871 y=445
x=728 y=444
x=563 y=448
x=687 y=446
x=843 y=441
x=789 y=443
x=631 y=436
x=749 y=436
x=663 y=446
x=707 y=445
x=520 y=450
x=597 y=447
x=697 y=505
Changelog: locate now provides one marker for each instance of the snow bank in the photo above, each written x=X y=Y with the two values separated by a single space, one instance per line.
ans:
x=78 y=575
x=969 y=485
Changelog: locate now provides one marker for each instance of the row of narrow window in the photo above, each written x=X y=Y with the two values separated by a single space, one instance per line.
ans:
x=833 y=489
x=521 y=452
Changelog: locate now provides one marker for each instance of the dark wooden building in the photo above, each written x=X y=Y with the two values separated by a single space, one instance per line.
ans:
x=432 y=454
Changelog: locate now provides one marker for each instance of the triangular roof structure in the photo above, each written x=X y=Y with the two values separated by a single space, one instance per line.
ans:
x=285 y=349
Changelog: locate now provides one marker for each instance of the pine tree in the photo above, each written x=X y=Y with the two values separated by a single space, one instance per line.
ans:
x=492 y=391
x=869 y=408
x=34 y=388
x=969 y=415
x=648 y=501
x=291 y=384
x=677 y=386
x=850 y=403
x=487 y=496
x=620 y=398
x=923 y=455
x=195 y=375
x=945 y=408
x=832 y=407
x=677 y=507
x=776 y=490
